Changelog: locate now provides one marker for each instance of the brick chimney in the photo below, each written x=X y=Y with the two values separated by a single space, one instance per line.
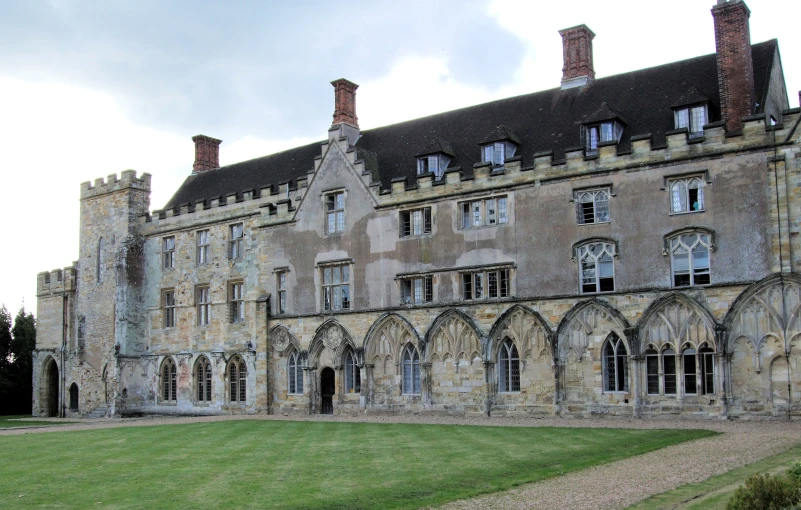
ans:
x=577 y=54
x=735 y=65
x=345 y=124
x=207 y=153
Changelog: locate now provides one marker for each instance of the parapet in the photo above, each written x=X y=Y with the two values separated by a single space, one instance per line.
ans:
x=56 y=281
x=127 y=179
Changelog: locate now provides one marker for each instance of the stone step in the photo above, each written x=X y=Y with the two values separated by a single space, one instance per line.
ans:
x=96 y=413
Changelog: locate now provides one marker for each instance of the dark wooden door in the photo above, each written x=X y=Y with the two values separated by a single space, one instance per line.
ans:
x=327 y=390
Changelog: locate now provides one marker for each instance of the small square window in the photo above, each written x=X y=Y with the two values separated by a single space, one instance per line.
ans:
x=418 y=290
x=168 y=251
x=497 y=152
x=592 y=206
x=599 y=133
x=335 y=212
x=693 y=118
x=415 y=222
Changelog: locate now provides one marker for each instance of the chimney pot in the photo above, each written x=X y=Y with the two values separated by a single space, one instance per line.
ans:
x=734 y=60
x=345 y=102
x=207 y=153
x=577 y=53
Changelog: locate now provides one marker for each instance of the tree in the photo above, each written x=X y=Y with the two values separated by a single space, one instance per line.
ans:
x=6 y=385
x=22 y=345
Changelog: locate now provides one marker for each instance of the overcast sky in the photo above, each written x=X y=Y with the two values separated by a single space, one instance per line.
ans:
x=91 y=88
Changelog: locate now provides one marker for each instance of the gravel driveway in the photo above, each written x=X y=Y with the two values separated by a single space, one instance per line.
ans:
x=614 y=485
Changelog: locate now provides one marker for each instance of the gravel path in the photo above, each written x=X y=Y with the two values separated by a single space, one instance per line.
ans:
x=614 y=485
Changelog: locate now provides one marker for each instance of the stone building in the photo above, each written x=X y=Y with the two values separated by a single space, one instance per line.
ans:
x=626 y=245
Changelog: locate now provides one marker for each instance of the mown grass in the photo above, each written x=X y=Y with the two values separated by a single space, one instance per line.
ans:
x=714 y=492
x=19 y=420
x=281 y=464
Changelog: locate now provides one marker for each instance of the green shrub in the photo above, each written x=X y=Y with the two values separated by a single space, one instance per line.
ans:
x=765 y=492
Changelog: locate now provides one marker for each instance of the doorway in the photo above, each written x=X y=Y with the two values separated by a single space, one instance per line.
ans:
x=49 y=394
x=327 y=390
x=74 y=397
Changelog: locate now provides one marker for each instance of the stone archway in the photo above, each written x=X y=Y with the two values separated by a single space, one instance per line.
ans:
x=48 y=389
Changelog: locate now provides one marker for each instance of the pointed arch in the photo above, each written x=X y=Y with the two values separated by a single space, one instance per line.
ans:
x=526 y=327
x=453 y=335
x=281 y=339
x=236 y=374
x=768 y=308
x=168 y=380
x=203 y=378
x=572 y=335
x=386 y=337
x=678 y=320
x=333 y=335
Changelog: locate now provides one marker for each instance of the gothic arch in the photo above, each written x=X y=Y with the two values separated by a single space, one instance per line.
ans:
x=333 y=335
x=282 y=340
x=572 y=335
x=768 y=308
x=679 y=321
x=386 y=338
x=526 y=328
x=453 y=335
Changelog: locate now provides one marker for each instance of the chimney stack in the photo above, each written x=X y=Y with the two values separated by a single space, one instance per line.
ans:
x=207 y=153
x=735 y=65
x=345 y=102
x=577 y=53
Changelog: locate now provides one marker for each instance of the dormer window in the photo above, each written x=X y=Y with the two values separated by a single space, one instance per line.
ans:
x=435 y=163
x=601 y=132
x=693 y=118
x=497 y=152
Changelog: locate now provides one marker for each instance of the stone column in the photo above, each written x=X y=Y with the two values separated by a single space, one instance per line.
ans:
x=425 y=383
x=722 y=369
x=635 y=366
x=488 y=388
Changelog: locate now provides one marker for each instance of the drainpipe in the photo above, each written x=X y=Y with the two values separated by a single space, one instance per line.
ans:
x=61 y=406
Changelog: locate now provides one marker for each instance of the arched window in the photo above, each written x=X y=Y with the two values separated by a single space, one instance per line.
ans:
x=707 y=360
x=593 y=206
x=74 y=397
x=237 y=380
x=295 y=374
x=411 y=371
x=169 y=381
x=689 y=259
x=203 y=380
x=596 y=267
x=687 y=195
x=615 y=365
x=669 y=370
x=688 y=369
x=652 y=371
x=508 y=367
x=101 y=260
x=353 y=377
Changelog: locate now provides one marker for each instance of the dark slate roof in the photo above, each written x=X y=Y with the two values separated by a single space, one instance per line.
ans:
x=549 y=120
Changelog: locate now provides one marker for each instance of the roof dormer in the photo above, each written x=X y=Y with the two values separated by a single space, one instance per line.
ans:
x=691 y=111
x=500 y=144
x=435 y=158
x=603 y=126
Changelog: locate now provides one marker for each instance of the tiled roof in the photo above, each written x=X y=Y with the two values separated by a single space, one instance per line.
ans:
x=549 y=120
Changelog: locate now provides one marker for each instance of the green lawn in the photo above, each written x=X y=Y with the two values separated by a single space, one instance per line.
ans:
x=713 y=493
x=283 y=464
x=7 y=422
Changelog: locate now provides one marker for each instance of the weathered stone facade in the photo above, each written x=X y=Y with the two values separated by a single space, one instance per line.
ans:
x=176 y=312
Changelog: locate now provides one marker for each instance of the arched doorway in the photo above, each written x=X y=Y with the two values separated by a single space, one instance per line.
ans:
x=74 y=397
x=49 y=388
x=327 y=390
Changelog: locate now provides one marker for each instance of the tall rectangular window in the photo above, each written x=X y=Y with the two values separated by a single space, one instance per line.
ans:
x=203 y=301
x=486 y=212
x=236 y=302
x=168 y=306
x=336 y=287
x=169 y=252
x=335 y=212
x=202 y=246
x=485 y=284
x=415 y=291
x=281 y=290
x=236 y=234
x=415 y=222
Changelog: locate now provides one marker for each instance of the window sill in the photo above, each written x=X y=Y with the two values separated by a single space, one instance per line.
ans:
x=509 y=392
x=680 y=213
x=479 y=227
x=167 y=403
x=416 y=236
x=599 y=293
x=595 y=223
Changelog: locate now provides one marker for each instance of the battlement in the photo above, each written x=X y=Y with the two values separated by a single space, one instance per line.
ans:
x=127 y=179
x=56 y=281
